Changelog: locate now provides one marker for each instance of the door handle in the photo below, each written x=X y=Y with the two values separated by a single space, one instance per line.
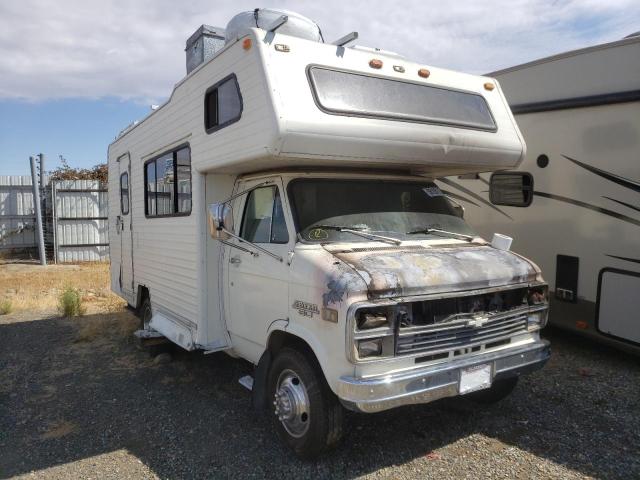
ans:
x=235 y=260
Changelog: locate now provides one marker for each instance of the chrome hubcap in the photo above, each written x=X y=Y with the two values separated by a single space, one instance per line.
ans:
x=291 y=403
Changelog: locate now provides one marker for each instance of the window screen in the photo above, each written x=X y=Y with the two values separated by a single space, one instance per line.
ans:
x=367 y=96
x=168 y=184
x=222 y=104
x=263 y=220
x=124 y=193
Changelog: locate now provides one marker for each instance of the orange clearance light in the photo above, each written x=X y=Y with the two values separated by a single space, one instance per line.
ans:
x=424 y=73
x=246 y=43
x=489 y=86
x=582 y=325
x=375 y=63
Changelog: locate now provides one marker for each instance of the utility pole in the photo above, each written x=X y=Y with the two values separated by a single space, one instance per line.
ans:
x=43 y=179
x=38 y=210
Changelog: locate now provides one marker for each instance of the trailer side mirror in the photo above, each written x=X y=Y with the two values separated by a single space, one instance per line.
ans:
x=513 y=189
x=220 y=221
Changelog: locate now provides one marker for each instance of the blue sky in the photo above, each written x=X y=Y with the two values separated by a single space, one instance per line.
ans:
x=73 y=73
x=77 y=129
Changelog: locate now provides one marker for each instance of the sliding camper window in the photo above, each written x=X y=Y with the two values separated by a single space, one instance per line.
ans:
x=222 y=104
x=263 y=220
x=167 y=184
x=124 y=193
x=355 y=94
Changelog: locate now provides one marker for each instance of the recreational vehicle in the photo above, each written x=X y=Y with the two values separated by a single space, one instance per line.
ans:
x=281 y=207
x=580 y=115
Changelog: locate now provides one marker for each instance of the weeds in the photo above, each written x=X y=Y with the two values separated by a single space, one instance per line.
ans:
x=6 y=306
x=70 y=302
x=99 y=326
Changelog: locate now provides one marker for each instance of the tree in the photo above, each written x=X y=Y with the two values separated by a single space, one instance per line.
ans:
x=65 y=172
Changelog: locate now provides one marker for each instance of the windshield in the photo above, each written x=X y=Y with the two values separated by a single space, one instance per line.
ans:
x=392 y=208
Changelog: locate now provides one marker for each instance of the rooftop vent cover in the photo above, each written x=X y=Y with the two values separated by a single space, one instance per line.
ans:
x=296 y=26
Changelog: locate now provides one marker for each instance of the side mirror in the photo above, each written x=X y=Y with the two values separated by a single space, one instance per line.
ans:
x=513 y=189
x=220 y=221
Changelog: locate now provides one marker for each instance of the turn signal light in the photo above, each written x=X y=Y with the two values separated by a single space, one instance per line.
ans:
x=424 y=73
x=246 y=43
x=375 y=63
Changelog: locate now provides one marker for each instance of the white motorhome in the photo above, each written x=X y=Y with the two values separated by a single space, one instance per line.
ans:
x=281 y=207
x=580 y=115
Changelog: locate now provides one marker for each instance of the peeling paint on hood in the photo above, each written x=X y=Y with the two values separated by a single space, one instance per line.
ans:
x=404 y=272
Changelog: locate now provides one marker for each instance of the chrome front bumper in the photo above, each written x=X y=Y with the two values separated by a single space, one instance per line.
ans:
x=374 y=394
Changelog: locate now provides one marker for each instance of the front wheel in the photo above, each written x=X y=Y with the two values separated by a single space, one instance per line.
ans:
x=308 y=416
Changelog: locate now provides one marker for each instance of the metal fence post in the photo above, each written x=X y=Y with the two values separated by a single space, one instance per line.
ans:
x=38 y=211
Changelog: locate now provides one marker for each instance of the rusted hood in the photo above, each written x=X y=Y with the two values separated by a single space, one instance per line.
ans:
x=391 y=272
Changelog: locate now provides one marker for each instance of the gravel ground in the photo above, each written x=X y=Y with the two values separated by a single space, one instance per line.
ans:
x=77 y=407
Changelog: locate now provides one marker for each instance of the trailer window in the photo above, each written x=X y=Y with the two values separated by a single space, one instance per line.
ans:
x=263 y=220
x=124 y=193
x=347 y=93
x=222 y=104
x=167 y=185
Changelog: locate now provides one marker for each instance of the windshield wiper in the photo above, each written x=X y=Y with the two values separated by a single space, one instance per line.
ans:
x=437 y=231
x=359 y=231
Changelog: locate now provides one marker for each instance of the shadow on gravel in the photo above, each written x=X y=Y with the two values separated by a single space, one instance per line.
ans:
x=63 y=400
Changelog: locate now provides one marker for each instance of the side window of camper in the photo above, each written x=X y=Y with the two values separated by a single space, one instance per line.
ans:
x=222 y=104
x=263 y=220
x=124 y=193
x=167 y=184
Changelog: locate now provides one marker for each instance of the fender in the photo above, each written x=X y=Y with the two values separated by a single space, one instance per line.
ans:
x=259 y=398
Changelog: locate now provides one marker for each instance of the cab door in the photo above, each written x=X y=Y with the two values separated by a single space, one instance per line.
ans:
x=258 y=288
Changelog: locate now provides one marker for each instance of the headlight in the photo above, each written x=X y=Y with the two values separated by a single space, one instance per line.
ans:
x=537 y=319
x=368 y=319
x=538 y=295
x=370 y=348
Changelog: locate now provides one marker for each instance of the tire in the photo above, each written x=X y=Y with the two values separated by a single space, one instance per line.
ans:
x=152 y=346
x=500 y=390
x=306 y=413
x=144 y=313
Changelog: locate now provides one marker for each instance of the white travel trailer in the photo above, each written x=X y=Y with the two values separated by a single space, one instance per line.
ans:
x=280 y=207
x=580 y=115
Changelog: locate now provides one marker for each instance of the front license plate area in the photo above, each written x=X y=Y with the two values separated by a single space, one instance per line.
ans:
x=475 y=378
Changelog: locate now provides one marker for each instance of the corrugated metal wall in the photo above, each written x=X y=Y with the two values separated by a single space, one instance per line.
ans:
x=81 y=223
x=17 y=220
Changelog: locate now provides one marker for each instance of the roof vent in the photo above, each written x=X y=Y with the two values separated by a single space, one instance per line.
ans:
x=296 y=25
x=205 y=42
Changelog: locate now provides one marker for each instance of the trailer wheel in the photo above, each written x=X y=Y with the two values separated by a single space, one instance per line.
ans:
x=500 y=390
x=307 y=415
x=145 y=314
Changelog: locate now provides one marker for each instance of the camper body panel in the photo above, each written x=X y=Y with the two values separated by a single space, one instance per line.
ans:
x=584 y=218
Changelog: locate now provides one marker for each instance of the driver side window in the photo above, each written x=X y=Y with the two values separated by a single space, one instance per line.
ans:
x=263 y=220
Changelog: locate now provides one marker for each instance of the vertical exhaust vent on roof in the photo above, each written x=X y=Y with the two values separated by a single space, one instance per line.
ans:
x=202 y=45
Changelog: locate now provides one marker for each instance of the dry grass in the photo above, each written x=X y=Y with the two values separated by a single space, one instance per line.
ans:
x=34 y=288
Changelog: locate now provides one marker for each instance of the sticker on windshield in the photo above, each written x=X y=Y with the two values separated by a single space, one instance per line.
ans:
x=318 y=234
x=433 y=191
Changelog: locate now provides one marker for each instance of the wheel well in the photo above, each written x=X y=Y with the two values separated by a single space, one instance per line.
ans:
x=277 y=341
x=143 y=293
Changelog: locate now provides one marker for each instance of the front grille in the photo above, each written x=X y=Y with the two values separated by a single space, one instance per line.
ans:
x=458 y=333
